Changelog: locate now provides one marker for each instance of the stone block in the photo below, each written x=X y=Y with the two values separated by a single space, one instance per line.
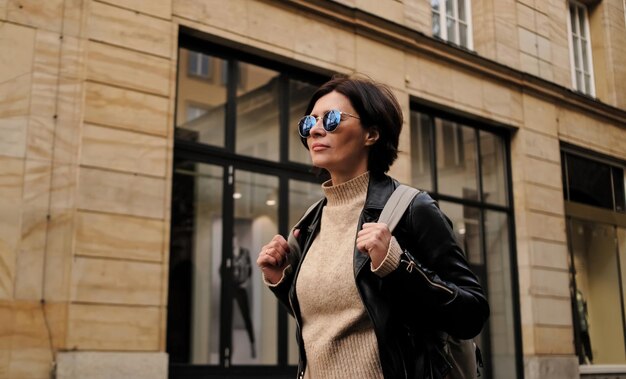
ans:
x=73 y=53
x=20 y=41
x=157 y=8
x=46 y=15
x=69 y=121
x=126 y=28
x=554 y=340
x=546 y=71
x=544 y=49
x=552 y=311
x=232 y=16
x=384 y=70
x=126 y=109
x=123 y=151
x=544 y=199
x=121 y=193
x=467 y=89
x=47 y=52
x=544 y=226
x=106 y=365
x=525 y=16
x=390 y=10
x=417 y=16
x=550 y=282
x=30 y=259
x=11 y=187
x=541 y=146
x=114 y=327
x=529 y=64
x=13 y=131
x=502 y=100
x=543 y=172
x=337 y=44
x=549 y=255
x=105 y=281
x=419 y=74
x=542 y=24
x=116 y=236
x=554 y=367
x=508 y=55
x=31 y=356
x=128 y=68
x=39 y=139
x=540 y=115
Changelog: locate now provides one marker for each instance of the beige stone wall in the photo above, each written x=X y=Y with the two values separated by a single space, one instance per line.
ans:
x=86 y=121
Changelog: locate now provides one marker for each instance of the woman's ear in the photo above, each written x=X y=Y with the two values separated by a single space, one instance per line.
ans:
x=372 y=137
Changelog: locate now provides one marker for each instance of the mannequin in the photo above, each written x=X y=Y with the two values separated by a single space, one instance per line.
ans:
x=241 y=271
x=581 y=307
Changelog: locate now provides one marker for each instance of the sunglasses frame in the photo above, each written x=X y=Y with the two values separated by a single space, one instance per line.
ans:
x=323 y=117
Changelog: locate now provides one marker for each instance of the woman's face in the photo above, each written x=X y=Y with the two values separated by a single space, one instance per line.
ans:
x=343 y=152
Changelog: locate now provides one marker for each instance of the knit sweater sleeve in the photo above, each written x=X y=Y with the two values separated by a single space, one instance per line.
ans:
x=391 y=261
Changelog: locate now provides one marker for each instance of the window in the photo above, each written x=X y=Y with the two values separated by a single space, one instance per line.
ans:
x=580 y=49
x=465 y=169
x=240 y=175
x=199 y=65
x=592 y=182
x=451 y=21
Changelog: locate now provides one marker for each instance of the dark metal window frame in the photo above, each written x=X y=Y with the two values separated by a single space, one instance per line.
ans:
x=503 y=131
x=229 y=160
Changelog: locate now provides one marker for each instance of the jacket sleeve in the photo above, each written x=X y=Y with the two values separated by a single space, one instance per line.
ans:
x=434 y=275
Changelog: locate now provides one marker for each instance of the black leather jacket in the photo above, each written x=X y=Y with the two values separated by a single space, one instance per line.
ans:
x=432 y=290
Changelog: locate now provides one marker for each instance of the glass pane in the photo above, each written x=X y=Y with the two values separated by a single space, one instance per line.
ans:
x=589 y=182
x=587 y=84
x=492 y=158
x=206 y=94
x=582 y=30
x=500 y=293
x=598 y=311
x=195 y=255
x=255 y=316
x=619 y=182
x=301 y=196
x=466 y=225
x=451 y=30
x=257 y=113
x=461 y=9
x=299 y=95
x=572 y=18
x=579 y=80
x=576 y=47
x=436 y=25
x=435 y=5
x=585 y=58
x=621 y=241
x=421 y=152
x=450 y=8
x=463 y=35
x=456 y=159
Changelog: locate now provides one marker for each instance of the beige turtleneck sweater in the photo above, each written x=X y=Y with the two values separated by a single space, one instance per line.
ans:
x=338 y=336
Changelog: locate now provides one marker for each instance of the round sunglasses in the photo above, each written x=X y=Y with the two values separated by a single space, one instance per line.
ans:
x=330 y=122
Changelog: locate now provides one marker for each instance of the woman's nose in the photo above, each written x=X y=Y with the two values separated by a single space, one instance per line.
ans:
x=317 y=129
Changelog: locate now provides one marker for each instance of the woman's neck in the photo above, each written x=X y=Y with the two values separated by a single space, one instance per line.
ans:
x=340 y=178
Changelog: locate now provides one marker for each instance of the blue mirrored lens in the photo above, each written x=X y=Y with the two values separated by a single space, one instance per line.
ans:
x=305 y=125
x=331 y=120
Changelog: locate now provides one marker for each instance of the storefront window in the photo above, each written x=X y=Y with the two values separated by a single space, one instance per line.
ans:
x=469 y=181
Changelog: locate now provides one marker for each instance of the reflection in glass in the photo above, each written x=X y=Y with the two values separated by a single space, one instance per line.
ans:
x=299 y=95
x=466 y=225
x=598 y=312
x=456 y=159
x=255 y=317
x=195 y=255
x=257 y=113
x=421 y=139
x=501 y=321
x=493 y=168
x=200 y=99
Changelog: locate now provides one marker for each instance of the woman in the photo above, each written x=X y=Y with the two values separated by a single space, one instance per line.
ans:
x=369 y=304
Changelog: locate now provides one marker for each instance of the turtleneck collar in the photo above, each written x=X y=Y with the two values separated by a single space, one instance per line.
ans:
x=353 y=190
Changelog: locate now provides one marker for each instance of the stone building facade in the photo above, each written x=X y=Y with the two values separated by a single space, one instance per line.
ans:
x=132 y=133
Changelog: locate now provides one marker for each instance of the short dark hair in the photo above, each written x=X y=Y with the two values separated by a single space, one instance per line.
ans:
x=378 y=109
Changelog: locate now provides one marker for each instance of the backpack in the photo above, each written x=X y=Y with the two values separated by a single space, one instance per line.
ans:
x=463 y=356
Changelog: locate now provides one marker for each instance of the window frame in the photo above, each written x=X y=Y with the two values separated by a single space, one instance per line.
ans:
x=578 y=51
x=503 y=131
x=443 y=35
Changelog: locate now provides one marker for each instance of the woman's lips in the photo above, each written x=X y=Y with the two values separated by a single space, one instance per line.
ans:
x=319 y=147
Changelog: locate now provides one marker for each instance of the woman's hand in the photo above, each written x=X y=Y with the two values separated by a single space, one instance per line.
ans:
x=374 y=239
x=272 y=259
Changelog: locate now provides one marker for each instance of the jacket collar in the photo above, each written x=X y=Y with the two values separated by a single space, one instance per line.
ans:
x=380 y=188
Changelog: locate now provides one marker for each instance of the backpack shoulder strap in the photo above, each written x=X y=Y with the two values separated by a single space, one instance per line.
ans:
x=396 y=205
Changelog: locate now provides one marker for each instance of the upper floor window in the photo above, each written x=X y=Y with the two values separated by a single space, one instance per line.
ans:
x=451 y=21
x=580 y=48
x=199 y=65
